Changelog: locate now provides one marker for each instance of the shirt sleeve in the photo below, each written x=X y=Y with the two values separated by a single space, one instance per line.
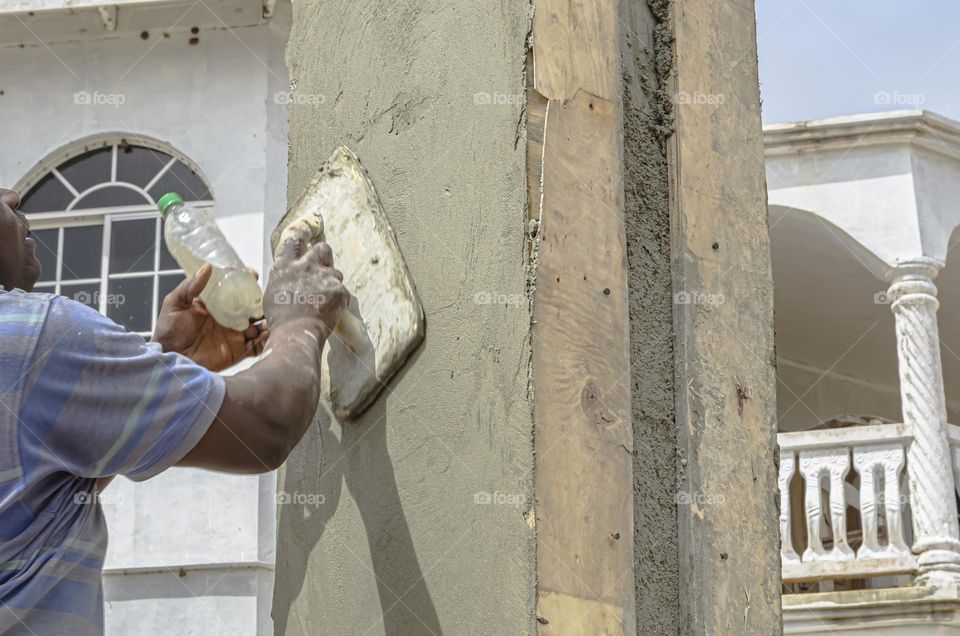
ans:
x=101 y=401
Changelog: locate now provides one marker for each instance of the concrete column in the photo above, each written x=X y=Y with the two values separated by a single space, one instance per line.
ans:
x=550 y=207
x=936 y=535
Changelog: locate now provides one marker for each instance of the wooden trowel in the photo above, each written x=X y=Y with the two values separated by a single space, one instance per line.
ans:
x=384 y=322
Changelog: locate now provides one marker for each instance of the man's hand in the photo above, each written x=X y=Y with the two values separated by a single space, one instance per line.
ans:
x=185 y=326
x=304 y=286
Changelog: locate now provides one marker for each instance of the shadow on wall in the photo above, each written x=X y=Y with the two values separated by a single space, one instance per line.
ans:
x=405 y=602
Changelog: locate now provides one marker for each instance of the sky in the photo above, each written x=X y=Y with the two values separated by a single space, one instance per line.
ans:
x=822 y=58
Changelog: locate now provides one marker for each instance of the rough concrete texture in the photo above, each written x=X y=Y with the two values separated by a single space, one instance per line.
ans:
x=726 y=405
x=387 y=529
x=646 y=62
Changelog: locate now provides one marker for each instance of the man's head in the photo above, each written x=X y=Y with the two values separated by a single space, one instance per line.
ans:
x=19 y=266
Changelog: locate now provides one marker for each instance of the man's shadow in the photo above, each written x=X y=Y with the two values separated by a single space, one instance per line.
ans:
x=359 y=458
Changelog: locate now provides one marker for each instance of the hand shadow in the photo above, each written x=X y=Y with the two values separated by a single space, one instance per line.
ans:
x=360 y=457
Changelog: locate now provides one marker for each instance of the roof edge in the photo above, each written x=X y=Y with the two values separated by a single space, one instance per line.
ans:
x=919 y=128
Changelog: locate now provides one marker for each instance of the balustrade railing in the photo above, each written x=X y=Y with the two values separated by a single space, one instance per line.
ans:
x=843 y=501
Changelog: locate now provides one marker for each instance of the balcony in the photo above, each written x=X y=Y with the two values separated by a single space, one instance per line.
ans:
x=862 y=222
x=847 y=550
x=844 y=504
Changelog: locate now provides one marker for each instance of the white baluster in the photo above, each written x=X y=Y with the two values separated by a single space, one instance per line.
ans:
x=835 y=464
x=895 y=503
x=867 y=467
x=812 y=505
x=869 y=462
x=788 y=466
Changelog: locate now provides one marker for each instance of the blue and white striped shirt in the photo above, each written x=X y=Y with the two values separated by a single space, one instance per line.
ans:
x=80 y=399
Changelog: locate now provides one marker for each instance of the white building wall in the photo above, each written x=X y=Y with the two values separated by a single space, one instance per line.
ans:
x=191 y=552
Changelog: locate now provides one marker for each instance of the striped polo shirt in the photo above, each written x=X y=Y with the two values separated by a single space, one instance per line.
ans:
x=80 y=399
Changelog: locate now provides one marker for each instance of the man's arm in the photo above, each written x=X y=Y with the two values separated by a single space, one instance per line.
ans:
x=268 y=407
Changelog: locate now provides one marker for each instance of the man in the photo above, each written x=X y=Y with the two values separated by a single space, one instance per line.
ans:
x=83 y=400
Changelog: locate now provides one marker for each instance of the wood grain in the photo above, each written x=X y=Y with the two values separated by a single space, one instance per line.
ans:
x=576 y=47
x=581 y=373
x=583 y=440
x=726 y=403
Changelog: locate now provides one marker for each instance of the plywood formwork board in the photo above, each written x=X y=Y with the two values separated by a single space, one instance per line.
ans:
x=581 y=365
x=726 y=406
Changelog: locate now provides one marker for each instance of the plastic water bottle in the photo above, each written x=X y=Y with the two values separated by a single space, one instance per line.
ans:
x=232 y=295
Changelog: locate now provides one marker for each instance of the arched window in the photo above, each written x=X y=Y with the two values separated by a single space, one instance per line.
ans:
x=92 y=210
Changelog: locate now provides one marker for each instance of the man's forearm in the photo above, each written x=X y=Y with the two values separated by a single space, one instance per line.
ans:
x=267 y=408
x=286 y=399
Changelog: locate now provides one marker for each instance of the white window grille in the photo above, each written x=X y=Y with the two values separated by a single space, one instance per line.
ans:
x=92 y=210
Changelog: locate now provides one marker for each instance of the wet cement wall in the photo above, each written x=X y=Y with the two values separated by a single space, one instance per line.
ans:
x=415 y=519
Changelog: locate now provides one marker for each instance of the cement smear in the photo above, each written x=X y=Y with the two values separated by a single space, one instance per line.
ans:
x=647 y=60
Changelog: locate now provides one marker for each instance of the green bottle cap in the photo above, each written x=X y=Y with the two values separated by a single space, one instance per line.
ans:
x=167 y=200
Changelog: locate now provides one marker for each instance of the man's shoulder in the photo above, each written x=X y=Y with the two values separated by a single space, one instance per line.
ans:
x=54 y=315
x=19 y=308
x=18 y=296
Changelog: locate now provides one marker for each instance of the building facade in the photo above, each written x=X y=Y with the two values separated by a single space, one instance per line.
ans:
x=107 y=106
x=112 y=104
x=862 y=217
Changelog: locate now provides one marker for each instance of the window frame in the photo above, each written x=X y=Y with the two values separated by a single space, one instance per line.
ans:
x=106 y=216
x=56 y=158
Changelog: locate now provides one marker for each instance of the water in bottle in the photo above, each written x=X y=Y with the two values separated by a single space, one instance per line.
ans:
x=233 y=295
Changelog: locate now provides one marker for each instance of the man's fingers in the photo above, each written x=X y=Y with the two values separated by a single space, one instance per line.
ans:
x=295 y=241
x=10 y=197
x=255 y=346
x=190 y=289
x=253 y=331
x=321 y=253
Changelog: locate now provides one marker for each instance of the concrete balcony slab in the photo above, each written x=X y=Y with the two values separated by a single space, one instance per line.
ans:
x=904 y=611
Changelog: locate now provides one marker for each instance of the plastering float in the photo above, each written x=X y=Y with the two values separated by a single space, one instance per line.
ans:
x=384 y=322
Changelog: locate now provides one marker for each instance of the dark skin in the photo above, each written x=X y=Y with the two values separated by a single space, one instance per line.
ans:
x=268 y=407
x=19 y=266
x=186 y=327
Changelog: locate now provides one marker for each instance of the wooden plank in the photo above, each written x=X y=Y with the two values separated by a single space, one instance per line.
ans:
x=581 y=377
x=726 y=386
x=576 y=47
x=583 y=439
x=578 y=616
x=536 y=123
